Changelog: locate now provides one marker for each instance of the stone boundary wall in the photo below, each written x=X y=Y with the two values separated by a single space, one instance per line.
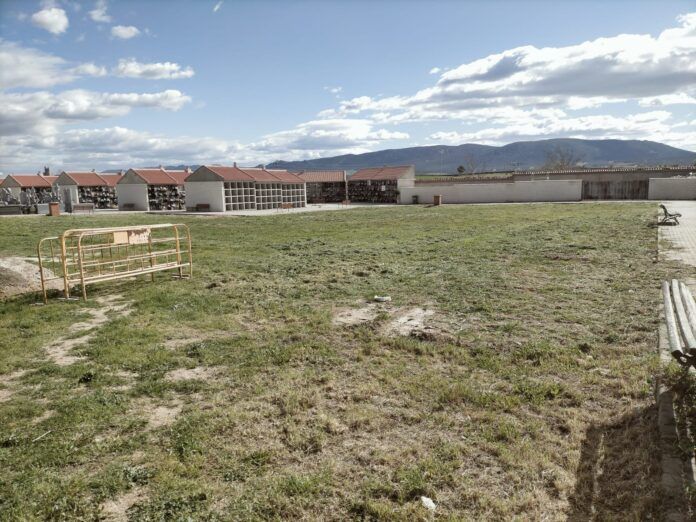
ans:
x=672 y=188
x=516 y=192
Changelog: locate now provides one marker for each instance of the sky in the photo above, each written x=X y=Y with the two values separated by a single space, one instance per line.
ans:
x=116 y=84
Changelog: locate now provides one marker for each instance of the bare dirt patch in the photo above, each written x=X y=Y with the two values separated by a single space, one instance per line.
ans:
x=415 y=321
x=110 y=305
x=44 y=416
x=18 y=275
x=116 y=510
x=9 y=384
x=157 y=414
x=410 y=321
x=184 y=374
x=356 y=316
x=59 y=350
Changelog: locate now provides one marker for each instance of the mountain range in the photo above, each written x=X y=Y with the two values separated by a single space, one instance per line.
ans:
x=519 y=155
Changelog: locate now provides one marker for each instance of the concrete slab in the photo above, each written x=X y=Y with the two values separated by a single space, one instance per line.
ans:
x=678 y=242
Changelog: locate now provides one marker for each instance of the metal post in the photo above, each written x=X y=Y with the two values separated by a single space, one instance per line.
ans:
x=82 y=270
x=63 y=253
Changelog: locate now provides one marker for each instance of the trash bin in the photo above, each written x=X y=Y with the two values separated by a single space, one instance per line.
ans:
x=414 y=199
x=54 y=209
x=437 y=200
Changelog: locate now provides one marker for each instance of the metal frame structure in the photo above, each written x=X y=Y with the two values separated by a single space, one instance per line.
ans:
x=90 y=255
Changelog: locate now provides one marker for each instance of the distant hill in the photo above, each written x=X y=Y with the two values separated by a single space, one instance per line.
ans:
x=518 y=155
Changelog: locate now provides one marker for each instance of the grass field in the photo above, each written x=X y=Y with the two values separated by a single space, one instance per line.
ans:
x=235 y=396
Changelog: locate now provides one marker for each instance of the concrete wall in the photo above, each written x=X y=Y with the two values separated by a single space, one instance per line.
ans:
x=672 y=188
x=133 y=193
x=68 y=196
x=205 y=192
x=519 y=191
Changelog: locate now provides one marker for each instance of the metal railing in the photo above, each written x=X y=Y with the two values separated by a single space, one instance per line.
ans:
x=91 y=255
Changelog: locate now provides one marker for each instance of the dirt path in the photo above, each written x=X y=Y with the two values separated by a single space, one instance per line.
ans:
x=59 y=350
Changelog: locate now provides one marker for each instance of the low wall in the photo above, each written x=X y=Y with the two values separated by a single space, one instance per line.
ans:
x=132 y=194
x=205 y=193
x=517 y=192
x=672 y=188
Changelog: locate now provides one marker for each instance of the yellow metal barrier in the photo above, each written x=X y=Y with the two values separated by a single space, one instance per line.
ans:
x=90 y=255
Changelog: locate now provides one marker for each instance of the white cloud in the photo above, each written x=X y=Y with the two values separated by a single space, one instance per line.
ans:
x=99 y=14
x=124 y=32
x=115 y=147
x=681 y=98
x=590 y=74
x=321 y=137
x=27 y=67
x=52 y=19
x=435 y=70
x=89 y=69
x=131 y=68
x=217 y=7
x=528 y=125
x=42 y=113
x=334 y=90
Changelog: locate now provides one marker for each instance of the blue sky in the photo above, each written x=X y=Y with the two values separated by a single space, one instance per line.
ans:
x=114 y=84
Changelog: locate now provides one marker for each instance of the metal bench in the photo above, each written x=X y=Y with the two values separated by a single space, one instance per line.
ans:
x=669 y=218
x=680 y=316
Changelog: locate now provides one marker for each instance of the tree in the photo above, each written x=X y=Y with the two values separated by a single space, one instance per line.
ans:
x=471 y=164
x=559 y=158
x=461 y=169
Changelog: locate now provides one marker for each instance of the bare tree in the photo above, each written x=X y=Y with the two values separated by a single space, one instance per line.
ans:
x=470 y=164
x=560 y=157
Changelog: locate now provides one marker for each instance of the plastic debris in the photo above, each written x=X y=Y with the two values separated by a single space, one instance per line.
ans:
x=428 y=503
x=382 y=298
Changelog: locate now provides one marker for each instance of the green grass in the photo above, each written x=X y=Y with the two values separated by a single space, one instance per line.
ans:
x=553 y=314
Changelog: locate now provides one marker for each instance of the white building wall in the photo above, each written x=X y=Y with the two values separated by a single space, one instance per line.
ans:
x=516 y=192
x=672 y=188
x=132 y=193
x=205 y=192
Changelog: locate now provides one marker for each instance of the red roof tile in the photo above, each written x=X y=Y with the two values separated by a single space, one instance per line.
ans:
x=86 y=179
x=161 y=176
x=111 y=179
x=179 y=175
x=382 y=173
x=32 y=180
x=254 y=174
x=323 y=176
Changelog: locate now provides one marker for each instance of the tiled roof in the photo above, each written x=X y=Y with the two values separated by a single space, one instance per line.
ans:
x=111 y=179
x=254 y=174
x=32 y=180
x=86 y=179
x=382 y=173
x=323 y=176
x=161 y=176
x=178 y=175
